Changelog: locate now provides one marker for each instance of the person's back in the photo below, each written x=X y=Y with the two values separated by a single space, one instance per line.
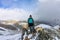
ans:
x=31 y=23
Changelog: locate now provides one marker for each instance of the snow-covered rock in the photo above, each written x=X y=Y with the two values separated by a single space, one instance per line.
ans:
x=56 y=38
x=16 y=35
x=52 y=30
x=44 y=26
x=6 y=34
x=3 y=31
x=56 y=27
x=29 y=36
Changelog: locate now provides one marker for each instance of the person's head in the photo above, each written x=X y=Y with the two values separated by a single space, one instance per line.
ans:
x=30 y=16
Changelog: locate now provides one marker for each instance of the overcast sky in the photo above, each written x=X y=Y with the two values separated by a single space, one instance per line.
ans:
x=49 y=11
x=42 y=10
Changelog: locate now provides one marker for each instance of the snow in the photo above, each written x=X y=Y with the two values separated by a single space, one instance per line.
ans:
x=56 y=27
x=29 y=36
x=3 y=31
x=56 y=38
x=10 y=37
x=44 y=26
x=50 y=28
x=9 y=34
x=16 y=35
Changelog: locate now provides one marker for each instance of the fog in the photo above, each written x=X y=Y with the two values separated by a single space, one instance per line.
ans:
x=48 y=11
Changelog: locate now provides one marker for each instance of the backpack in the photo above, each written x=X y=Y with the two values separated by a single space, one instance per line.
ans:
x=30 y=20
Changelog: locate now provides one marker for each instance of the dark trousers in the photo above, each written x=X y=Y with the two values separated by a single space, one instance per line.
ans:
x=31 y=26
x=31 y=29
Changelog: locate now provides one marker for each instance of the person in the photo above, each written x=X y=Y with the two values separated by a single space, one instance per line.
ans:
x=31 y=24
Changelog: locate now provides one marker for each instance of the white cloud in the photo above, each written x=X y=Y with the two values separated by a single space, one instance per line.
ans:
x=17 y=14
x=48 y=11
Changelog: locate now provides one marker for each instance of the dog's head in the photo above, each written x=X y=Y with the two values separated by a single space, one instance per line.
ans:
x=39 y=29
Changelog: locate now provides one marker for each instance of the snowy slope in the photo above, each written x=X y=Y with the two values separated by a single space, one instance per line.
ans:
x=57 y=27
x=44 y=26
x=11 y=37
x=16 y=35
x=6 y=34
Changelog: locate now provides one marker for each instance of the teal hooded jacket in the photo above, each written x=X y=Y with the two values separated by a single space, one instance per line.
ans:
x=30 y=20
